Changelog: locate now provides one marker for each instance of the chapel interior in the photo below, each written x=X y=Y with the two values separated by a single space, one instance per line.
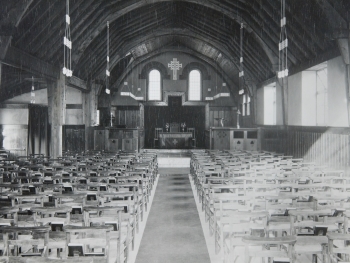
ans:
x=174 y=131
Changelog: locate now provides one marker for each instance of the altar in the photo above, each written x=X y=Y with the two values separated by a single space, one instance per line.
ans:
x=175 y=140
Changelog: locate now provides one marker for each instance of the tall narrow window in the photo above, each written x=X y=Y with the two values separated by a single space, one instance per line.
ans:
x=270 y=104
x=314 y=91
x=248 y=105
x=244 y=105
x=194 y=88
x=154 y=88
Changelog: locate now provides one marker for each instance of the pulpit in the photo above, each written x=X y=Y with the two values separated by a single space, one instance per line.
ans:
x=227 y=138
x=115 y=139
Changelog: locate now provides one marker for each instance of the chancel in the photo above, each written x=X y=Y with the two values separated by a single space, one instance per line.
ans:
x=175 y=131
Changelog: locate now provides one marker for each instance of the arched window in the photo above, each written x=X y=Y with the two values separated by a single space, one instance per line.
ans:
x=154 y=88
x=194 y=87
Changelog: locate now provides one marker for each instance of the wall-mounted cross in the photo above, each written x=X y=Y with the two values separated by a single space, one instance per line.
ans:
x=174 y=66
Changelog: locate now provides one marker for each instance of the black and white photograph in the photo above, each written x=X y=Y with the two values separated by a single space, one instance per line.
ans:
x=174 y=131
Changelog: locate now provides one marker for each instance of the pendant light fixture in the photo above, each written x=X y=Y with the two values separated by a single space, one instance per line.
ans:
x=32 y=93
x=241 y=61
x=283 y=44
x=108 y=73
x=67 y=46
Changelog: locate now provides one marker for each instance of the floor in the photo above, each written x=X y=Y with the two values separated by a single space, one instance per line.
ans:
x=173 y=231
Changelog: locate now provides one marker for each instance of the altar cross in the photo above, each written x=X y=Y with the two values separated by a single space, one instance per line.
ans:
x=175 y=142
x=174 y=66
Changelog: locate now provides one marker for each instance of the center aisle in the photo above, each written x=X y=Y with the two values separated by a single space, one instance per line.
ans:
x=173 y=231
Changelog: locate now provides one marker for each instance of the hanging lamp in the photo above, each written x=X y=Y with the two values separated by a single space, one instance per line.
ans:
x=241 y=62
x=108 y=74
x=67 y=46
x=32 y=93
x=283 y=44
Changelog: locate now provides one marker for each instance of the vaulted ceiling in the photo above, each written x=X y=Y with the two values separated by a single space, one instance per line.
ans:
x=32 y=31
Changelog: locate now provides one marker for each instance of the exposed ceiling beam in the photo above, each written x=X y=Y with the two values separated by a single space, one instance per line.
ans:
x=163 y=33
x=14 y=11
x=112 y=15
x=24 y=61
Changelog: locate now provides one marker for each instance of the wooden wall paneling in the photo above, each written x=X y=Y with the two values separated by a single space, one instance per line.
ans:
x=301 y=145
x=331 y=144
x=211 y=118
x=290 y=143
x=312 y=145
x=297 y=143
x=322 y=149
x=207 y=118
x=318 y=146
x=142 y=116
x=74 y=138
x=334 y=149
x=122 y=120
x=99 y=140
x=347 y=157
x=306 y=146
x=221 y=114
x=326 y=148
x=129 y=118
x=331 y=149
x=339 y=150
x=342 y=147
x=216 y=115
x=344 y=151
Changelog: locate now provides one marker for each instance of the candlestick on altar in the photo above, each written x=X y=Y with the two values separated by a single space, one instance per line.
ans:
x=238 y=113
x=221 y=121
